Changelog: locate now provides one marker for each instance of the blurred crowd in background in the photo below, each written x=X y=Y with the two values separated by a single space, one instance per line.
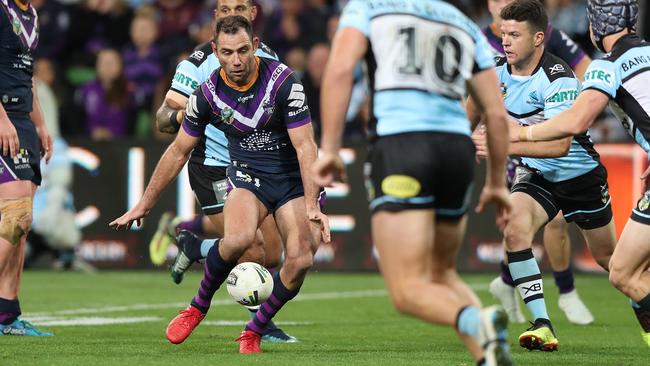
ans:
x=107 y=64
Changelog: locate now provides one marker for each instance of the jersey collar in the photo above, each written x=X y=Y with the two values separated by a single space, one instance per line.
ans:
x=242 y=88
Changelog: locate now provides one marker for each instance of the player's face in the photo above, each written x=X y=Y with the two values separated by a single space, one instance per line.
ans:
x=518 y=41
x=235 y=7
x=236 y=53
x=495 y=6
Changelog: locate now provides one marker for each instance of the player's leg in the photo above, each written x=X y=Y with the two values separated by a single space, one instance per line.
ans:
x=503 y=286
x=15 y=222
x=527 y=217
x=301 y=242
x=243 y=213
x=210 y=187
x=628 y=270
x=558 y=249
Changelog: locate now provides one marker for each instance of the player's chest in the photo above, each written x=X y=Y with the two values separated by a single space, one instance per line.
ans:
x=18 y=29
x=245 y=112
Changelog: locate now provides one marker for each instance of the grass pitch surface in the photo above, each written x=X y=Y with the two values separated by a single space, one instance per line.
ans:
x=119 y=318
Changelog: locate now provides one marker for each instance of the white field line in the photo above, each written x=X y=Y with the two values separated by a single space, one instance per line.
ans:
x=180 y=305
x=88 y=321
x=241 y=323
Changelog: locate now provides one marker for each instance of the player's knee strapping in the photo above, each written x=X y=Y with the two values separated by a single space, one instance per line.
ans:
x=15 y=218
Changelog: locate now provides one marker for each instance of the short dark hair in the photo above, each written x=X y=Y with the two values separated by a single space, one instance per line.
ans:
x=250 y=3
x=530 y=11
x=231 y=25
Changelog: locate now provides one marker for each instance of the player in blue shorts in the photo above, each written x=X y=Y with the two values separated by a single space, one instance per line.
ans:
x=24 y=139
x=421 y=55
x=260 y=105
x=207 y=172
x=556 y=232
x=563 y=175
x=619 y=79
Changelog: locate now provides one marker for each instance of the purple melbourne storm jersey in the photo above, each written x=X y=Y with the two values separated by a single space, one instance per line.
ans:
x=255 y=119
x=18 y=40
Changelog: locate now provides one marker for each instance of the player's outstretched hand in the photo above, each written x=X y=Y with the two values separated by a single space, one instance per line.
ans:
x=319 y=218
x=329 y=168
x=126 y=221
x=500 y=196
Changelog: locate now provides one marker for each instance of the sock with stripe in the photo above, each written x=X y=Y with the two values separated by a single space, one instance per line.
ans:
x=642 y=312
x=9 y=311
x=205 y=247
x=528 y=280
x=564 y=280
x=280 y=296
x=468 y=321
x=215 y=272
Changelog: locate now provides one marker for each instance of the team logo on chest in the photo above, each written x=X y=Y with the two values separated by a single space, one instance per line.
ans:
x=227 y=115
x=268 y=106
x=17 y=26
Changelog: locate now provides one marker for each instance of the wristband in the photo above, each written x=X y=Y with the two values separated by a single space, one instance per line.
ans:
x=173 y=120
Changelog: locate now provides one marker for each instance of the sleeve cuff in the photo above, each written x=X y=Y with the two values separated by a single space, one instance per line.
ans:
x=190 y=131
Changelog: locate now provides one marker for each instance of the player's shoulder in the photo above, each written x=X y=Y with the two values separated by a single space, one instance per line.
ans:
x=554 y=67
x=200 y=54
x=624 y=45
x=266 y=51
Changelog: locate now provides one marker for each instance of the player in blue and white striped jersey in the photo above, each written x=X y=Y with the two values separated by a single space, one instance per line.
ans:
x=562 y=175
x=421 y=57
x=619 y=79
x=556 y=232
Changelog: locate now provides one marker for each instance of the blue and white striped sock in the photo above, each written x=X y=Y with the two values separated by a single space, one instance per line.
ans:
x=528 y=280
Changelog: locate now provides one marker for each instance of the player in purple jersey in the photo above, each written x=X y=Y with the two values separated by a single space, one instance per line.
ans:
x=207 y=173
x=260 y=105
x=24 y=139
x=556 y=234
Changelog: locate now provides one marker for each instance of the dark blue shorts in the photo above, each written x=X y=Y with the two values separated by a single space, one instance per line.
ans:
x=273 y=190
x=26 y=164
x=421 y=170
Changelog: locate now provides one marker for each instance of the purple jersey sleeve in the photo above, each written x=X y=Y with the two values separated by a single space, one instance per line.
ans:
x=293 y=103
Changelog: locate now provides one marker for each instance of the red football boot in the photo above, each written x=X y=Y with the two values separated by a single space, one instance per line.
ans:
x=183 y=324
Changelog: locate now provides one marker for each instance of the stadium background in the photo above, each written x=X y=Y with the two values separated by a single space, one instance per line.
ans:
x=113 y=163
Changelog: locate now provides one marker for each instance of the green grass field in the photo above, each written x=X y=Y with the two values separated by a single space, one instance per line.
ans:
x=340 y=319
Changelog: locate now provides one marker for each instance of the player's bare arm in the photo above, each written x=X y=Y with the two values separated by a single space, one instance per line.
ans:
x=41 y=129
x=170 y=114
x=302 y=139
x=348 y=48
x=537 y=149
x=168 y=167
x=483 y=89
x=589 y=104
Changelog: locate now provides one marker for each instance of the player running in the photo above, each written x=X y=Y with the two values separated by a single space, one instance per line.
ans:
x=556 y=232
x=620 y=79
x=562 y=175
x=420 y=56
